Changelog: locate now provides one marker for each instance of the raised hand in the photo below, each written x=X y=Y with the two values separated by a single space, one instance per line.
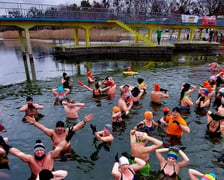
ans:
x=70 y=134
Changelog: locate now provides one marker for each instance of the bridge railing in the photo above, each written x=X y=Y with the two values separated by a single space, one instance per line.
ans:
x=28 y=11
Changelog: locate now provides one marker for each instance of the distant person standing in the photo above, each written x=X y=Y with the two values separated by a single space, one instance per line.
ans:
x=159 y=35
x=211 y=32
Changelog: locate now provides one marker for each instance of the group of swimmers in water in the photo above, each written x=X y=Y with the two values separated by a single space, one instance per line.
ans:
x=126 y=165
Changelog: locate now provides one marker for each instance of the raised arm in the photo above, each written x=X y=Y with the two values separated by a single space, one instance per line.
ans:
x=79 y=106
x=139 y=164
x=159 y=156
x=83 y=122
x=38 y=106
x=88 y=88
x=24 y=157
x=156 y=143
x=66 y=91
x=46 y=130
x=24 y=108
x=101 y=138
x=193 y=174
x=185 y=160
x=54 y=91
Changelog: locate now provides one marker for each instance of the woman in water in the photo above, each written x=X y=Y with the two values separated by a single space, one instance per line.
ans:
x=170 y=167
x=148 y=124
x=213 y=126
x=65 y=80
x=97 y=91
x=123 y=171
x=185 y=99
x=203 y=102
x=60 y=94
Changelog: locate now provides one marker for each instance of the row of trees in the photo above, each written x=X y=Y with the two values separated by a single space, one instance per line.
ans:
x=132 y=7
x=191 y=7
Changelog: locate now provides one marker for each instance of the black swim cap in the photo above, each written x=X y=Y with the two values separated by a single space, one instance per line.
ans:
x=177 y=109
x=29 y=98
x=60 y=124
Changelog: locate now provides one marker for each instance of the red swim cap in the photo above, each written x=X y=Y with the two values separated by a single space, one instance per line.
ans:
x=156 y=87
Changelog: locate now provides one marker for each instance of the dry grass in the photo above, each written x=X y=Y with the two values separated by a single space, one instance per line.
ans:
x=96 y=34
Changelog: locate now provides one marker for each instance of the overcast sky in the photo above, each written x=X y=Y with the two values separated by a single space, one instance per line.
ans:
x=50 y=2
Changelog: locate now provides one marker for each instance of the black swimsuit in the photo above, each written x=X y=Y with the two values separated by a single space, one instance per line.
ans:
x=163 y=172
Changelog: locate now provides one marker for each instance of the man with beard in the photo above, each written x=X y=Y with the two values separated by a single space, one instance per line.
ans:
x=60 y=132
x=40 y=160
x=31 y=108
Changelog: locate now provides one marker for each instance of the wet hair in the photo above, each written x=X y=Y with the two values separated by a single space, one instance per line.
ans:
x=45 y=174
x=176 y=109
x=97 y=86
x=186 y=87
x=135 y=92
x=60 y=124
x=64 y=74
x=29 y=98
x=140 y=80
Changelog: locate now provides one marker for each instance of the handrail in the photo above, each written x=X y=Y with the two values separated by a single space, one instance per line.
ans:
x=27 y=11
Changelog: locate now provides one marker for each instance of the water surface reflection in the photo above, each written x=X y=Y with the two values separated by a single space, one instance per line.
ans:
x=89 y=160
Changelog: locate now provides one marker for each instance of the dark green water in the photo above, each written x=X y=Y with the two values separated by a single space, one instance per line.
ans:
x=89 y=162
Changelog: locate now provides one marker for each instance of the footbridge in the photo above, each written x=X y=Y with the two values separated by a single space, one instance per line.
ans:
x=24 y=16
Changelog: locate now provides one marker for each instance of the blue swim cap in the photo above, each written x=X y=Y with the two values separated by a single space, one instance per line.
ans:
x=60 y=89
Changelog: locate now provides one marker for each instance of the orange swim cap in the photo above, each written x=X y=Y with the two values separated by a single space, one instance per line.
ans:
x=156 y=87
x=116 y=109
x=148 y=114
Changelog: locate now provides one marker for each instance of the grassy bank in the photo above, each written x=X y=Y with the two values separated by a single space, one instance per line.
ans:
x=96 y=34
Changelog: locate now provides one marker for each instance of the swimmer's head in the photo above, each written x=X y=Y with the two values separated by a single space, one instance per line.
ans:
x=206 y=92
x=176 y=109
x=45 y=174
x=60 y=124
x=123 y=161
x=60 y=89
x=186 y=86
x=210 y=176
x=140 y=80
x=172 y=154
x=108 y=127
x=135 y=92
x=89 y=74
x=166 y=111
x=156 y=87
x=116 y=109
x=60 y=127
x=140 y=136
x=29 y=98
x=39 y=150
x=64 y=74
x=148 y=115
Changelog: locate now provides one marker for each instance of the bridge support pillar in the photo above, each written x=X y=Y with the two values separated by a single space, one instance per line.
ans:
x=29 y=48
x=192 y=34
x=150 y=33
x=87 y=36
x=200 y=33
x=76 y=36
x=22 y=46
x=179 y=34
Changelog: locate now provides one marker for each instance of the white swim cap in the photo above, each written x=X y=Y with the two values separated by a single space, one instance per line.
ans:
x=123 y=160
